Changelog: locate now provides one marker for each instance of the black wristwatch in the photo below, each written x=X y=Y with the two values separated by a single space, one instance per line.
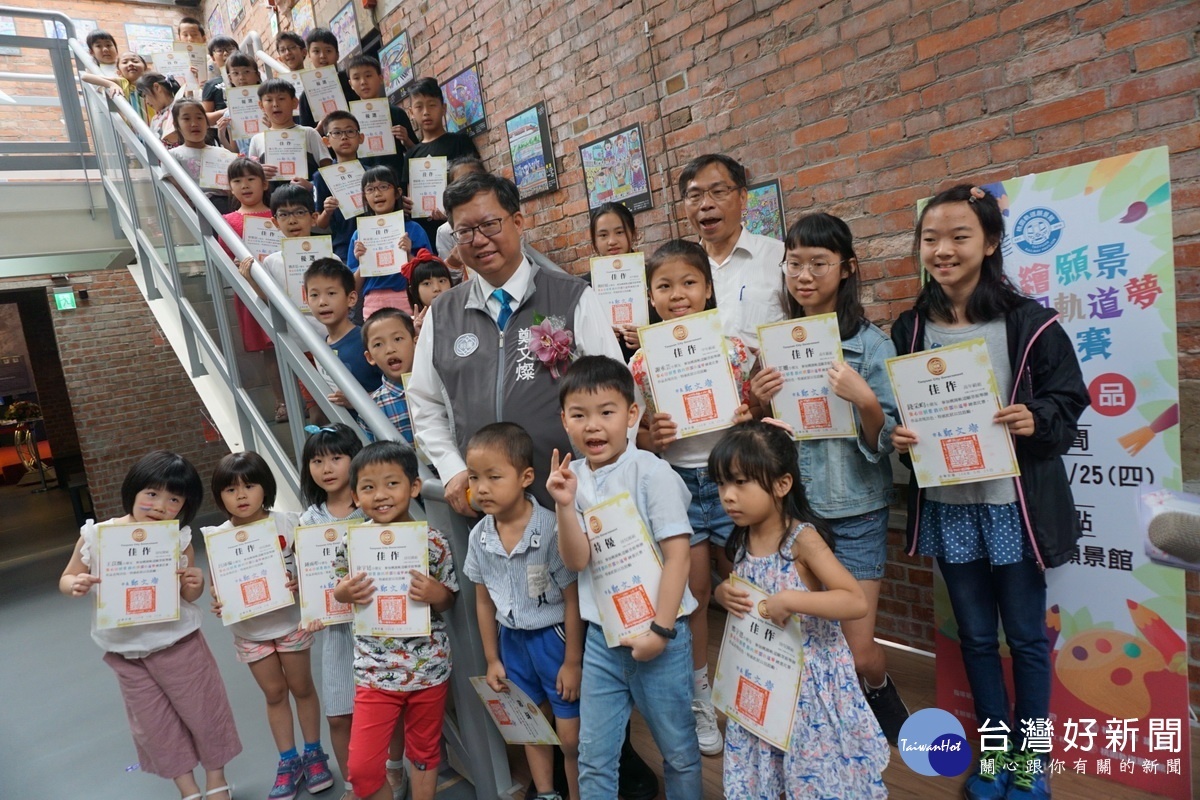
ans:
x=666 y=633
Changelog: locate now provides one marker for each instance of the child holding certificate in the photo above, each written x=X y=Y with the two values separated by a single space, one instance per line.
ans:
x=242 y=70
x=397 y=678
x=598 y=409
x=295 y=157
x=341 y=134
x=195 y=152
x=848 y=480
x=384 y=195
x=428 y=108
x=995 y=539
x=366 y=79
x=526 y=599
x=836 y=748
x=613 y=233
x=273 y=644
x=680 y=280
x=167 y=675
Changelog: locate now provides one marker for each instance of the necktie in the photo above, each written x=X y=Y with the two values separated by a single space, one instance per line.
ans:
x=505 y=309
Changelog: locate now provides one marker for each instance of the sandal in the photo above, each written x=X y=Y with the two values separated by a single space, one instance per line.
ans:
x=227 y=788
x=196 y=796
x=281 y=413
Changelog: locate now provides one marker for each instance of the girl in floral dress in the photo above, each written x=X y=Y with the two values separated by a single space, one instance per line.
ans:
x=779 y=544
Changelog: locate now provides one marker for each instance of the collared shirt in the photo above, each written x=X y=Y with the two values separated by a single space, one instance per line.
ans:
x=661 y=498
x=427 y=403
x=525 y=585
x=390 y=399
x=749 y=287
x=319 y=514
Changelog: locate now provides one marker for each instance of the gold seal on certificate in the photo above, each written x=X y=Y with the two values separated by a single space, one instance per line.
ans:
x=620 y=283
x=344 y=181
x=136 y=565
x=757 y=682
x=426 y=182
x=214 y=168
x=285 y=151
x=687 y=359
x=248 y=573
x=315 y=553
x=381 y=234
x=803 y=350
x=375 y=121
x=517 y=717
x=261 y=236
x=245 y=115
x=388 y=554
x=948 y=397
x=299 y=253
x=323 y=88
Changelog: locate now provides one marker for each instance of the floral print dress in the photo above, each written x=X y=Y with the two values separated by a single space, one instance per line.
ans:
x=837 y=748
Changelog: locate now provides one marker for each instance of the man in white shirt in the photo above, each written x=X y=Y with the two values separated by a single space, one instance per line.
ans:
x=747 y=281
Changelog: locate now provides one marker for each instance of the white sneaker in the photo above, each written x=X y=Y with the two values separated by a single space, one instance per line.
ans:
x=711 y=743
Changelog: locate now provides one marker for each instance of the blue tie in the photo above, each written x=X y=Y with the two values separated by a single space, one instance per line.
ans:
x=505 y=309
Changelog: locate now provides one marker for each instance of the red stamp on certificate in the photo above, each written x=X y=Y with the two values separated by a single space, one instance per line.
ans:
x=251 y=126
x=255 y=591
x=814 y=413
x=332 y=606
x=141 y=599
x=496 y=708
x=329 y=106
x=393 y=609
x=633 y=606
x=751 y=700
x=287 y=167
x=385 y=258
x=374 y=143
x=962 y=453
x=622 y=313
x=700 y=406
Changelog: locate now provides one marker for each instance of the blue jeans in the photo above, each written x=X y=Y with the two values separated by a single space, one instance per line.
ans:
x=661 y=689
x=705 y=513
x=1015 y=594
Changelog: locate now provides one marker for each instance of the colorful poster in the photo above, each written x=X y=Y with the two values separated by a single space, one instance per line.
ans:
x=532 y=152
x=396 y=62
x=517 y=717
x=345 y=29
x=1094 y=242
x=149 y=39
x=303 y=19
x=218 y=23
x=237 y=14
x=764 y=210
x=464 y=103
x=56 y=30
x=614 y=169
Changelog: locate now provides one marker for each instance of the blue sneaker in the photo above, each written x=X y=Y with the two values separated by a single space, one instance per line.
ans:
x=287 y=780
x=316 y=771
x=1029 y=779
x=990 y=786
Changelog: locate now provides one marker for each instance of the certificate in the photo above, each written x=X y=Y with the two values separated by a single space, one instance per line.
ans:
x=179 y=63
x=948 y=397
x=375 y=121
x=517 y=717
x=620 y=283
x=261 y=237
x=323 y=88
x=626 y=568
x=757 y=682
x=285 y=150
x=344 y=180
x=136 y=565
x=381 y=234
x=214 y=168
x=245 y=115
x=247 y=570
x=688 y=363
x=803 y=350
x=299 y=254
x=426 y=183
x=315 y=546
x=387 y=554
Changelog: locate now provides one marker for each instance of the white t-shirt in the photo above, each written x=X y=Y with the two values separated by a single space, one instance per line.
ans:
x=282 y=621
x=749 y=287
x=312 y=144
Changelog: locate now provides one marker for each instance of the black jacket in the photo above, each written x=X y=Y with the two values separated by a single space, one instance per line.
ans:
x=1047 y=379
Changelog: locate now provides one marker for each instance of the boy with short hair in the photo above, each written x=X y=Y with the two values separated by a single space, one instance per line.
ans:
x=323 y=52
x=341 y=134
x=190 y=30
x=329 y=287
x=397 y=677
x=103 y=48
x=366 y=79
x=212 y=94
x=277 y=99
x=391 y=338
x=290 y=48
x=598 y=410
x=428 y=107
x=526 y=599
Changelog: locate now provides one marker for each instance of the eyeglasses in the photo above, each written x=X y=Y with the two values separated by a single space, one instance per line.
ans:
x=377 y=188
x=282 y=215
x=719 y=193
x=341 y=134
x=288 y=50
x=817 y=269
x=489 y=228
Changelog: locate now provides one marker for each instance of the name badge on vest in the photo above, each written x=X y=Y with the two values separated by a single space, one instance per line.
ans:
x=466 y=344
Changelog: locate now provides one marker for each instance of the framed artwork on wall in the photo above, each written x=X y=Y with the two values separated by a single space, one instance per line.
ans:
x=464 y=103
x=764 y=210
x=614 y=170
x=532 y=152
x=395 y=60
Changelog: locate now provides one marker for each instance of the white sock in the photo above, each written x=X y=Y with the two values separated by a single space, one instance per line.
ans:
x=867 y=684
x=700 y=687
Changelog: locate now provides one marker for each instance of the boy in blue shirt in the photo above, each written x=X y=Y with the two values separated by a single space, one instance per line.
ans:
x=329 y=287
x=526 y=591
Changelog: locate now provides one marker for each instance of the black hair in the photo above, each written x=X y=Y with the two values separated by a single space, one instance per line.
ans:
x=463 y=190
x=291 y=194
x=330 y=268
x=472 y=163
x=276 y=86
x=622 y=212
x=338 y=114
x=689 y=252
x=592 y=374
x=427 y=87
x=737 y=173
x=189 y=21
x=764 y=453
x=381 y=174
x=994 y=295
x=363 y=60
x=289 y=36
x=510 y=439
x=321 y=36
x=833 y=234
x=337 y=439
x=401 y=454
x=100 y=36
x=222 y=42
x=245 y=168
x=145 y=84
x=246 y=468
x=177 y=108
x=387 y=313
x=168 y=472
x=435 y=268
x=239 y=59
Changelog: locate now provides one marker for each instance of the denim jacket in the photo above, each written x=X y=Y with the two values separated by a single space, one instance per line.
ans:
x=844 y=477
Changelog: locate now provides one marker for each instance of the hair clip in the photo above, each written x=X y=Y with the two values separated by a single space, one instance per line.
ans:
x=420 y=257
x=976 y=194
x=778 y=423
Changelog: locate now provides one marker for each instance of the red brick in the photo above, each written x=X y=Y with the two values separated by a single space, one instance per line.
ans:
x=1162 y=53
x=1083 y=105
x=1182 y=17
x=1105 y=71
x=1167 y=112
x=1162 y=83
x=1082 y=49
x=963 y=35
x=983 y=131
x=1108 y=126
x=1020 y=14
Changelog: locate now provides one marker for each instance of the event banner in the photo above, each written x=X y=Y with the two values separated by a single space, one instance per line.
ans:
x=1093 y=241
